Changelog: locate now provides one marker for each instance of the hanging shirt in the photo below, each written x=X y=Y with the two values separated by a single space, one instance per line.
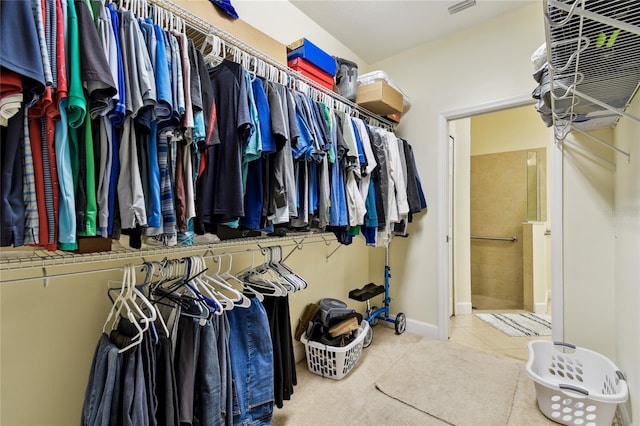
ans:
x=234 y=124
x=20 y=48
x=31 y=225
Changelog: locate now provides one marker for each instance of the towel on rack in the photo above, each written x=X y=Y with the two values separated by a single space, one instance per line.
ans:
x=226 y=7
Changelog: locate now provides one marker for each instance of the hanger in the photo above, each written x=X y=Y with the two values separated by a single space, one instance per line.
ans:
x=150 y=268
x=283 y=269
x=125 y=306
x=205 y=290
x=221 y=286
x=228 y=277
x=254 y=278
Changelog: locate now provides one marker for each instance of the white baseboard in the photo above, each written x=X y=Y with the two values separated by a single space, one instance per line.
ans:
x=299 y=352
x=422 y=328
x=540 y=308
x=463 y=308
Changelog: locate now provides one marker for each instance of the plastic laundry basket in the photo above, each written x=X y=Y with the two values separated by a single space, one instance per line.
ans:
x=332 y=361
x=575 y=386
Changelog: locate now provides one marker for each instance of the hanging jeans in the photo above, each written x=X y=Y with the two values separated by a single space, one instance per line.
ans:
x=252 y=365
x=104 y=375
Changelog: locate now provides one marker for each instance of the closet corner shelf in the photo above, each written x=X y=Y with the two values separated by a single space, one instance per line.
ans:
x=593 y=51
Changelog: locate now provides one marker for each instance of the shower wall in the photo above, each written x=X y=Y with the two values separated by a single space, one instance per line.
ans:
x=498 y=209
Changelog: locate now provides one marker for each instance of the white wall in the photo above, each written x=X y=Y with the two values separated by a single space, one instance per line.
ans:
x=626 y=218
x=588 y=250
x=483 y=64
x=462 y=218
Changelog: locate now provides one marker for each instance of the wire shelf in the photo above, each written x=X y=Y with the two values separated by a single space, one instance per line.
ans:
x=594 y=60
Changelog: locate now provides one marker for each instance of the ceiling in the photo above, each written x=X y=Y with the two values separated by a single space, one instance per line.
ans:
x=376 y=30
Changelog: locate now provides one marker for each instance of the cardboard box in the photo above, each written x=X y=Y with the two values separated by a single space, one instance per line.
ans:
x=307 y=69
x=379 y=98
x=303 y=48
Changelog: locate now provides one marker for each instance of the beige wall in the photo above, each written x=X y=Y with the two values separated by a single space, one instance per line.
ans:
x=512 y=129
x=48 y=335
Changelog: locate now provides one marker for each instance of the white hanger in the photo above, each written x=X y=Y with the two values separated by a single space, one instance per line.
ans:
x=122 y=307
x=240 y=299
x=254 y=278
x=228 y=277
x=197 y=269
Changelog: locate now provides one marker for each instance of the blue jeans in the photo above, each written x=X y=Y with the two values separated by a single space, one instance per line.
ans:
x=251 y=365
x=105 y=372
x=208 y=404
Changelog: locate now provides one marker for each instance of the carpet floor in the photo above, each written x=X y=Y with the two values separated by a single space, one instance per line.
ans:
x=355 y=400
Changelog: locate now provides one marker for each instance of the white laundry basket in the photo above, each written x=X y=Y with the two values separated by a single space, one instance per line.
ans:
x=332 y=361
x=575 y=386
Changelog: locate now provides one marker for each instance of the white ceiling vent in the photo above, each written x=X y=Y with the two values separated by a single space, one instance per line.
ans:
x=460 y=6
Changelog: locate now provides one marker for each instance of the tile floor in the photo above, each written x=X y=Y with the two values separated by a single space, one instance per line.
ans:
x=472 y=331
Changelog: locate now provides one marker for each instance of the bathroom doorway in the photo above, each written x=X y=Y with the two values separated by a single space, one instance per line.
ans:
x=500 y=221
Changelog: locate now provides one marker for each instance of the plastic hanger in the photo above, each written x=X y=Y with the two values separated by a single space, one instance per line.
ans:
x=122 y=309
x=254 y=278
x=221 y=286
x=228 y=277
x=204 y=289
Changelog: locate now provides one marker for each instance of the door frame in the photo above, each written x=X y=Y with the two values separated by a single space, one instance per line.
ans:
x=444 y=213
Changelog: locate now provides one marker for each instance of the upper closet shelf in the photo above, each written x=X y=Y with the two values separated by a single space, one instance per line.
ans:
x=203 y=33
x=593 y=53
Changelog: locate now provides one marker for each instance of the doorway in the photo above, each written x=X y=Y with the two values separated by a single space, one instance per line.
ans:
x=457 y=234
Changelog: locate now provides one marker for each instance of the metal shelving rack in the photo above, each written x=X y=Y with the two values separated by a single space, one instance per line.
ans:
x=593 y=51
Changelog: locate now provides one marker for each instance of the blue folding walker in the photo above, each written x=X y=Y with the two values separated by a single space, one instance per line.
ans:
x=373 y=314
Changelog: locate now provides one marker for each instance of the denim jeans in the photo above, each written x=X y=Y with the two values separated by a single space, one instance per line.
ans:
x=208 y=404
x=226 y=389
x=252 y=365
x=105 y=372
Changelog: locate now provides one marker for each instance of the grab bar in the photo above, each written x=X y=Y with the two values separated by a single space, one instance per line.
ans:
x=512 y=239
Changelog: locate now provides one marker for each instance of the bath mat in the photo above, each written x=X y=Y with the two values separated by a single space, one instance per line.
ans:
x=454 y=383
x=517 y=325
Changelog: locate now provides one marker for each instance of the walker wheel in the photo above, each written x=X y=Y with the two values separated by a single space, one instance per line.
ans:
x=400 y=323
x=368 y=338
x=374 y=320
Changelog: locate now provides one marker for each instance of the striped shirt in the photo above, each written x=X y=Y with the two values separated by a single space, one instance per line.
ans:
x=36 y=7
x=166 y=189
x=31 y=227
x=48 y=185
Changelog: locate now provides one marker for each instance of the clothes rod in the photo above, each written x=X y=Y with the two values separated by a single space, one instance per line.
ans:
x=43 y=258
x=204 y=28
x=45 y=276
x=512 y=239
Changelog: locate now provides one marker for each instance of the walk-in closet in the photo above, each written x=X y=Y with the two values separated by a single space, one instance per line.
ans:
x=242 y=212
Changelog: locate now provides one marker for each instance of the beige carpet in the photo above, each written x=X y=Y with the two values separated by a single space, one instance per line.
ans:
x=456 y=384
x=355 y=401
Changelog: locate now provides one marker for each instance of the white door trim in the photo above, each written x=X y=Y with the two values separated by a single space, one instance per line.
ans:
x=443 y=211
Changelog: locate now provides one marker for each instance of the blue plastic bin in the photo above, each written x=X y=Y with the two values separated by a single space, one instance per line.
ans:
x=303 y=48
